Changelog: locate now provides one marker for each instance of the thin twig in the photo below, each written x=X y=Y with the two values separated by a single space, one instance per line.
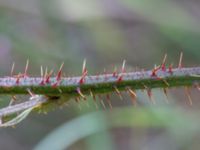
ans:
x=33 y=102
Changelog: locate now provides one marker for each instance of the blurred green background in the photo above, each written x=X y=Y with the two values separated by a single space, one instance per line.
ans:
x=105 y=32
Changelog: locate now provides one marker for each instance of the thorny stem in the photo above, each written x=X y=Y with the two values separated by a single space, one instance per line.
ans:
x=105 y=83
x=101 y=83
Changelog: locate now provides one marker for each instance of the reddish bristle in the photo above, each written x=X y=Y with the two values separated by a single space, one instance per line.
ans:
x=180 y=65
x=109 y=101
x=105 y=74
x=42 y=76
x=167 y=84
x=150 y=95
x=123 y=66
x=94 y=98
x=82 y=80
x=42 y=82
x=18 y=79
x=26 y=68
x=55 y=85
x=84 y=73
x=170 y=69
x=154 y=71
x=163 y=65
x=84 y=67
x=13 y=99
x=133 y=95
x=166 y=95
x=120 y=78
x=48 y=76
x=30 y=93
x=59 y=75
x=80 y=93
x=102 y=103
x=115 y=72
x=12 y=69
x=118 y=92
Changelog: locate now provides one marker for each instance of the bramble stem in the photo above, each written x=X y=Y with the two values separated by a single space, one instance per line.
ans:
x=101 y=83
x=104 y=83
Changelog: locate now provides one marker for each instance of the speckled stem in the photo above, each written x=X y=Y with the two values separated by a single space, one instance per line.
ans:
x=101 y=83
x=104 y=83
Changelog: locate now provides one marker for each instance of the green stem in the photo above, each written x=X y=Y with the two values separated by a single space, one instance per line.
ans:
x=102 y=83
x=105 y=83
